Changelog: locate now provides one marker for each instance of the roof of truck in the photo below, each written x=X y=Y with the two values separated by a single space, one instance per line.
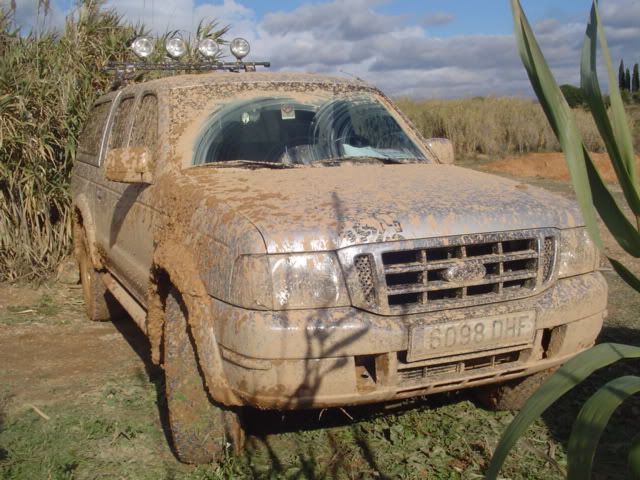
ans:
x=190 y=80
x=177 y=82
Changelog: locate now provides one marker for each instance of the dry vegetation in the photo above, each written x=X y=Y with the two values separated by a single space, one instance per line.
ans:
x=494 y=126
x=48 y=81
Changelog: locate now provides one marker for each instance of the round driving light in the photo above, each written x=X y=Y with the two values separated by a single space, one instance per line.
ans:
x=208 y=47
x=239 y=48
x=176 y=47
x=142 y=46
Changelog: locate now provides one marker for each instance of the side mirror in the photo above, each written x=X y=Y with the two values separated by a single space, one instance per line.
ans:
x=129 y=165
x=442 y=150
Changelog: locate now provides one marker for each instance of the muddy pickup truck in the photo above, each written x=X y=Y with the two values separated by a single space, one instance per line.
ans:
x=290 y=241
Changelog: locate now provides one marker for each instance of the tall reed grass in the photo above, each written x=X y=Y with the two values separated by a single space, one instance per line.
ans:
x=494 y=126
x=48 y=82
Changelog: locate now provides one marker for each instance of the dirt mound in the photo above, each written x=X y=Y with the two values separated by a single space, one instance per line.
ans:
x=550 y=165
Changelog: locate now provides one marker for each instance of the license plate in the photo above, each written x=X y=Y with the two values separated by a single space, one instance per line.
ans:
x=463 y=336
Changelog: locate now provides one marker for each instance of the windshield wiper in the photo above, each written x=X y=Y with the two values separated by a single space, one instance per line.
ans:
x=358 y=159
x=249 y=164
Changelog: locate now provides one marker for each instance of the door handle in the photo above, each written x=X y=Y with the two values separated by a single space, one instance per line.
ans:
x=99 y=194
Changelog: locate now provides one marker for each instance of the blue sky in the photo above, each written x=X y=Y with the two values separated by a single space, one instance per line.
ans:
x=470 y=16
x=429 y=48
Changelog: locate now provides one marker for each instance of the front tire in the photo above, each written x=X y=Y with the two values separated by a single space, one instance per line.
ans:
x=511 y=395
x=201 y=430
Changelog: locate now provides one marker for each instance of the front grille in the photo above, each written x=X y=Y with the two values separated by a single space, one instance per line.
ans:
x=445 y=275
x=450 y=272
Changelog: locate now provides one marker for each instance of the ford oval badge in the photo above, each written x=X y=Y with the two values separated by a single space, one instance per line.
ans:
x=465 y=271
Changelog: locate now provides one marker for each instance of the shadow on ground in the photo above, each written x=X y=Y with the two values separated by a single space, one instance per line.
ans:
x=611 y=456
x=3 y=452
x=139 y=343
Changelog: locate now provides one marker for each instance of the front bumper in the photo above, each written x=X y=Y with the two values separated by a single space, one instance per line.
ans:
x=345 y=356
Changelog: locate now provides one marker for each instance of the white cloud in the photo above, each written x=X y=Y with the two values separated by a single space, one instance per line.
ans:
x=401 y=57
x=163 y=15
x=438 y=19
x=32 y=16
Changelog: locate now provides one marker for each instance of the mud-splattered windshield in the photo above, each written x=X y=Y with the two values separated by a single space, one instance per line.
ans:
x=287 y=132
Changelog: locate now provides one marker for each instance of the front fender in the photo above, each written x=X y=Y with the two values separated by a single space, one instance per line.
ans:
x=81 y=204
x=177 y=262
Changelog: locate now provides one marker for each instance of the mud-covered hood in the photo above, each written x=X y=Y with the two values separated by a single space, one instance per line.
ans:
x=313 y=209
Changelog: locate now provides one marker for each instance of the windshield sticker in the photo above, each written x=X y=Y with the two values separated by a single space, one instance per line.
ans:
x=287 y=112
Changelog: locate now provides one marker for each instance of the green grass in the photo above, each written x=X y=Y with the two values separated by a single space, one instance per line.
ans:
x=116 y=434
x=45 y=309
x=111 y=435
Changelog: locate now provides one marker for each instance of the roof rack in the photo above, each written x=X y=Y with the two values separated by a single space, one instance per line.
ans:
x=125 y=71
x=179 y=66
x=176 y=48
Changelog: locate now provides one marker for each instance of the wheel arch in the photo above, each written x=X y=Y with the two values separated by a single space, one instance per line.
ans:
x=174 y=265
x=83 y=219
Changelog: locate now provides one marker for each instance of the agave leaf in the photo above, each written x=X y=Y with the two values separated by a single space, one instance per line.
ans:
x=559 y=114
x=568 y=376
x=591 y=422
x=620 y=125
x=625 y=274
x=616 y=137
x=612 y=216
x=634 y=457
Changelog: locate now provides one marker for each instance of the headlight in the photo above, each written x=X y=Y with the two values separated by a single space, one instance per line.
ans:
x=577 y=253
x=307 y=281
x=286 y=282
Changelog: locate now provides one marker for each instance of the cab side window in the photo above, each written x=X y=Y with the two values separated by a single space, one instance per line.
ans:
x=91 y=136
x=120 y=130
x=145 y=126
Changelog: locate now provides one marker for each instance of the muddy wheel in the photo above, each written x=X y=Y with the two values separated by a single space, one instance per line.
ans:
x=202 y=431
x=511 y=395
x=99 y=303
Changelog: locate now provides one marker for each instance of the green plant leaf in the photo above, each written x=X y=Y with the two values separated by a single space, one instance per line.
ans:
x=591 y=422
x=616 y=221
x=616 y=137
x=558 y=113
x=625 y=274
x=568 y=376
x=634 y=457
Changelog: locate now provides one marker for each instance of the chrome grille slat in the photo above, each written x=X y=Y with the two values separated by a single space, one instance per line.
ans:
x=439 y=285
x=418 y=267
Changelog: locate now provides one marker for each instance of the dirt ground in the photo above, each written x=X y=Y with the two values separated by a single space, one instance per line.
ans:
x=550 y=165
x=81 y=400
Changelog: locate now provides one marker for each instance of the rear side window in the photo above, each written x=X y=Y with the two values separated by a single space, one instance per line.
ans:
x=145 y=125
x=91 y=136
x=120 y=129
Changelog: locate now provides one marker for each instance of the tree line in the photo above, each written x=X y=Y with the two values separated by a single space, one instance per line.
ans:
x=626 y=80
